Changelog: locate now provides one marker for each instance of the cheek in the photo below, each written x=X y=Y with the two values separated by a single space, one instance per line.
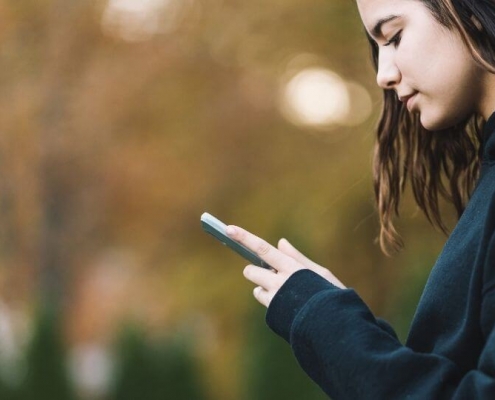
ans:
x=414 y=62
x=422 y=60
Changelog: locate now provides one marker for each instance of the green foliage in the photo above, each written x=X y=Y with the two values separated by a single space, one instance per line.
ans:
x=8 y=392
x=148 y=371
x=406 y=300
x=46 y=375
x=155 y=372
x=271 y=371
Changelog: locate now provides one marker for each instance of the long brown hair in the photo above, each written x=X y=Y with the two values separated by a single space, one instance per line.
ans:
x=438 y=164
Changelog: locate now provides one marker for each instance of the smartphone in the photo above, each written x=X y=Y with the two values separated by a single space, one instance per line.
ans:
x=216 y=228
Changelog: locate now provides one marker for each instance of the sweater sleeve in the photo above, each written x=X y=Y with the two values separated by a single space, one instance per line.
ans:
x=350 y=355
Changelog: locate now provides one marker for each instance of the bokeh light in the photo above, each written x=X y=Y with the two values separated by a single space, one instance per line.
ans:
x=91 y=367
x=361 y=105
x=313 y=95
x=316 y=97
x=139 y=20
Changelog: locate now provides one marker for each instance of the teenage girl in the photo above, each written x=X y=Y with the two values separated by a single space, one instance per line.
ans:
x=435 y=61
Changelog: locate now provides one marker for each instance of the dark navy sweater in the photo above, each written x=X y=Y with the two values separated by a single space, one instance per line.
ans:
x=450 y=350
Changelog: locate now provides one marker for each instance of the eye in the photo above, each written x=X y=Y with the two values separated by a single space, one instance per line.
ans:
x=395 y=40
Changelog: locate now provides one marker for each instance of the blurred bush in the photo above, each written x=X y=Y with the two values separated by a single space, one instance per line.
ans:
x=146 y=370
x=271 y=371
x=8 y=392
x=46 y=374
x=155 y=371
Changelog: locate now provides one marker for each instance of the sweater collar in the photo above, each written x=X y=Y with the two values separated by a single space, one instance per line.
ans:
x=489 y=139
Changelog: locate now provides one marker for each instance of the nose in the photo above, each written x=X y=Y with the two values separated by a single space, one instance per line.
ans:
x=388 y=75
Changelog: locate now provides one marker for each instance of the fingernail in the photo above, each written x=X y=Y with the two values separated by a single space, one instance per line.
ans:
x=231 y=231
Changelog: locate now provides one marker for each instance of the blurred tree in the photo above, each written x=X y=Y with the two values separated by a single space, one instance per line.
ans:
x=155 y=371
x=8 y=392
x=46 y=370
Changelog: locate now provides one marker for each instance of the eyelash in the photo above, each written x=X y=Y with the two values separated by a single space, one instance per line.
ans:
x=395 y=40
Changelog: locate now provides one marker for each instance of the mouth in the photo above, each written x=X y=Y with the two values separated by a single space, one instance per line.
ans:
x=408 y=100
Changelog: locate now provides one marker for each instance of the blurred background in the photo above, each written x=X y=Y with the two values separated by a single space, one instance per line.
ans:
x=121 y=122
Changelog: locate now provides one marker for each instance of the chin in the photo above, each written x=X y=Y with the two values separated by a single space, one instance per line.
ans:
x=438 y=123
x=431 y=125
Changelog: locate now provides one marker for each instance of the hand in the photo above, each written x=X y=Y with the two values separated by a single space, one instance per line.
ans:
x=285 y=260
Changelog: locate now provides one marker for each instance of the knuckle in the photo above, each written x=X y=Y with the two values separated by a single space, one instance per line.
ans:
x=241 y=234
x=263 y=248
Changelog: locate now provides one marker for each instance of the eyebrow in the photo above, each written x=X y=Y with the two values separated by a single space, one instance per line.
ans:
x=377 y=29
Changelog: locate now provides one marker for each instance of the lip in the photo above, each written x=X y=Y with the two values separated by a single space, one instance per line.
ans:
x=408 y=99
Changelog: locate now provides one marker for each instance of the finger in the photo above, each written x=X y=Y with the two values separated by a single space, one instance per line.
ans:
x=291 y=251
x=260 y=276
x=262 y=296
x=263 y=249
x=287 y=248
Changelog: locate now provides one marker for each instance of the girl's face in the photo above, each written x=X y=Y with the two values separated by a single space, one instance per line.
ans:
x=427 y=65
